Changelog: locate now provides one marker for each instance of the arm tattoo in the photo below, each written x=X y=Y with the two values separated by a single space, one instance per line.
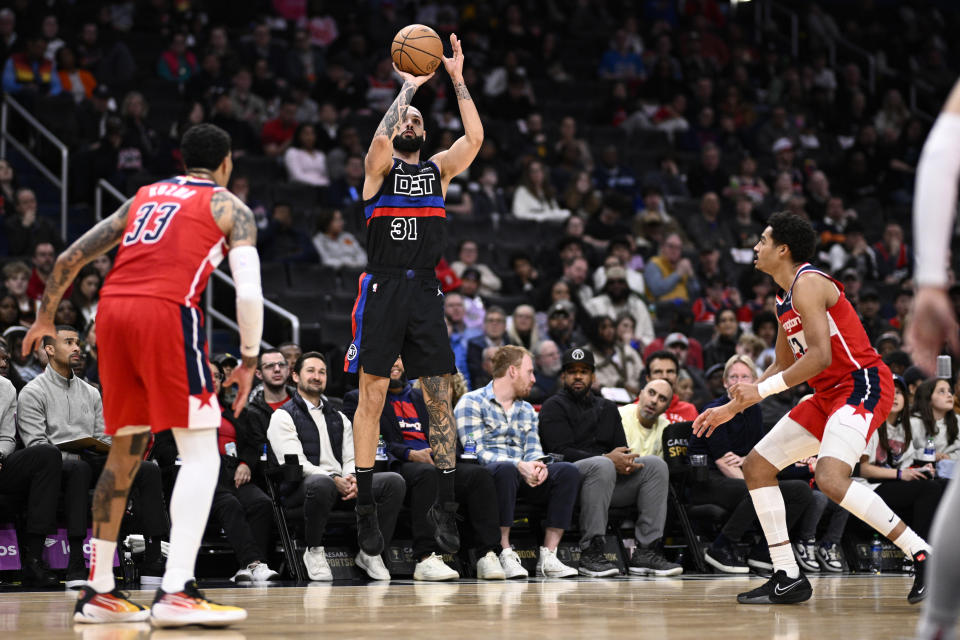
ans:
x=443 y=429
x=244 y=229
x=396 y=112
x=98 y=240
x=461 y=89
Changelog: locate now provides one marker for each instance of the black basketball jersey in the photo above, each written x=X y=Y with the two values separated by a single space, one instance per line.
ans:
x=406 y=220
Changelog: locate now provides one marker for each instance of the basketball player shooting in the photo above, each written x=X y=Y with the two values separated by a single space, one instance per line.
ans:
x=399 y=307
x=933 y=324
x=153 y=363
x=820 y=341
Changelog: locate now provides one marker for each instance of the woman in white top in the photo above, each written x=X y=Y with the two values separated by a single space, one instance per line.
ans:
x=305 y=163
x=337 y=248
x=911 y=492
x=933 y=417
x=535 y=199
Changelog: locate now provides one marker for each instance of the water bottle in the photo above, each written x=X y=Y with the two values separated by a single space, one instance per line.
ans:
x=381 y=449
x=876 y=554
x=470 y=449
x=930 y=450
x=263 y=453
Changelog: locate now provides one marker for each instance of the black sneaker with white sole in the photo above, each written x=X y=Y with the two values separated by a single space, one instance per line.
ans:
x=723 y=557
x=594 y=563
x=779 y=589
x=759 y=559
x=919 y=590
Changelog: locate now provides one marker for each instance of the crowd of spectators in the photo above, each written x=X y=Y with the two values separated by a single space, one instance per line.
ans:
x=632 y=154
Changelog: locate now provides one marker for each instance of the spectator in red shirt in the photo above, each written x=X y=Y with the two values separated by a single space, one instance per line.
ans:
x=44 y=255
x=277 y=134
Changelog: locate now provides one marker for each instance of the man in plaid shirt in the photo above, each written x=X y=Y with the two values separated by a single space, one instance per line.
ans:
x=504 y=427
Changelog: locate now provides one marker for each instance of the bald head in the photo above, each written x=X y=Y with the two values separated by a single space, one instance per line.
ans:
x=653 y=401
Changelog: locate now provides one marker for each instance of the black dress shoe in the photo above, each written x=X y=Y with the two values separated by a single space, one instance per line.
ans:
x=36 y=573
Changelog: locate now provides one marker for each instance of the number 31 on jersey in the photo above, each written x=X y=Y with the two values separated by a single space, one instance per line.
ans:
x=403 y=229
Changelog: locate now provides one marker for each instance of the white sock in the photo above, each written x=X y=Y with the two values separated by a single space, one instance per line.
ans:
x=784 y=560
x=911 y=543
x=101 y=565
x=190 y=503
x=772 y=514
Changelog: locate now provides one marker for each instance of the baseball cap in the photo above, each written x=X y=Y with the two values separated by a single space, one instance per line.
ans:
x=577 y=355
x=101 y=91
x=782 y=144
x=869 y=293
x=561 y=306
x=470 y=273
x=676 y=337
x=714 y=369
x=849 y=273
x=227 y=360
x=892 y=336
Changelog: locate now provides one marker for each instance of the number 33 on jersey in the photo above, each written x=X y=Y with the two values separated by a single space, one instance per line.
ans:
x=171 y=243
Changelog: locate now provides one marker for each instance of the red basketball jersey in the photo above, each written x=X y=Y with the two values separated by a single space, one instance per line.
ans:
x=171 y=243
x=850 y=348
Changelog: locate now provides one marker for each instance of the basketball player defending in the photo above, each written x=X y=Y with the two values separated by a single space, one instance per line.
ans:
x=820 y=341
x=399 y=307
x=933 y=324
x=153 y=363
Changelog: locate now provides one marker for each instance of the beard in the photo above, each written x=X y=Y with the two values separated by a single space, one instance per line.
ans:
x=579 y=395
x=552 y=370
x=407 y=145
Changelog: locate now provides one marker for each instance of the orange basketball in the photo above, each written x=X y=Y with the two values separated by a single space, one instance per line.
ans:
x=417 y=49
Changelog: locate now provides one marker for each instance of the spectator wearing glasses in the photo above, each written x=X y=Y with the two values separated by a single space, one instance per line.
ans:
x=726 y=486
x=617 y=298
x=271 y=394
x=494 y=335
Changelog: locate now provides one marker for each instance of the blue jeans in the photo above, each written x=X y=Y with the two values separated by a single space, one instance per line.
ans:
x=558 y=492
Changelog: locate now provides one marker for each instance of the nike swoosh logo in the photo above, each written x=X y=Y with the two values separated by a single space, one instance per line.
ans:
x=779 y=592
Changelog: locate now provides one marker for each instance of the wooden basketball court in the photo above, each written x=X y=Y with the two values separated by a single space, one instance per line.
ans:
x=848 y=607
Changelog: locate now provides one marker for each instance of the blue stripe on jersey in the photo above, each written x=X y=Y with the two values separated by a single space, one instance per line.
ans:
x=194 y=348
x=862 y=379
x=407 y=202
x=358 y=321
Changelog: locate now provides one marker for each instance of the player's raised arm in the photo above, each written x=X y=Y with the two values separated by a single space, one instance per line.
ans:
x=462 y=152
x=105 y=235
x=379 y=158
x=237 y=221
x=932 y=322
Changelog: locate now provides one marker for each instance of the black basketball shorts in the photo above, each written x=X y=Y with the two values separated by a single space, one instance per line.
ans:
x=399 y=313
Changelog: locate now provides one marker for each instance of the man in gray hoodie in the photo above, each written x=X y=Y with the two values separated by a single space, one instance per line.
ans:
x=57 y=408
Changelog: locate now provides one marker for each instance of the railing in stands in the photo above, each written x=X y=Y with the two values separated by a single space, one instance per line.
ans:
x=5 y=136
x=212 y=314
x=102 y=186
x=267 y=305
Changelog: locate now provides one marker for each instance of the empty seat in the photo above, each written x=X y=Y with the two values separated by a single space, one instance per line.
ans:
x=312 y=278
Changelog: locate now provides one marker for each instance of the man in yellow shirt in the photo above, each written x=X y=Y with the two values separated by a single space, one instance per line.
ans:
x=644 y=421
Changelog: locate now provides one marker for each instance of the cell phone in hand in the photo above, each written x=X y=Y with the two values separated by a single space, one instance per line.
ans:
x=547 y=459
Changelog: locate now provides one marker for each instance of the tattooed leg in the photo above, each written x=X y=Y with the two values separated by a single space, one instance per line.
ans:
x=443 y=429
x=110 y=495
